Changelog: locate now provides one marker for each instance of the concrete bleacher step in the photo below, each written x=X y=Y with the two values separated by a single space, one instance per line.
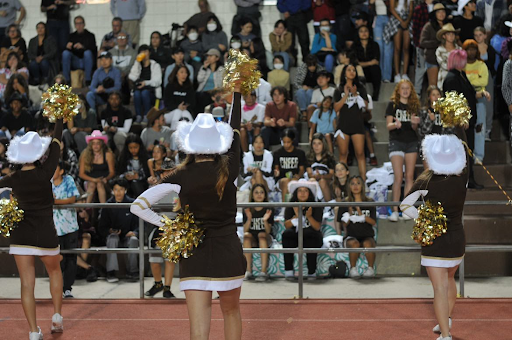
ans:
x=501 y=172
x=488 y=229
x=490 y=193
x=497 y=152
x=488 y=264
x=386 y=91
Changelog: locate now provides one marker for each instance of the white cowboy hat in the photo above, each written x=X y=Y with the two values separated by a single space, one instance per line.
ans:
x=27 y=148
x=204 y=136
x=461 y=5
x=445 y=154
x=302 y=183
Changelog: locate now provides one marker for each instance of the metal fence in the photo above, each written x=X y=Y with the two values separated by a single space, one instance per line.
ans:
x=300 y=250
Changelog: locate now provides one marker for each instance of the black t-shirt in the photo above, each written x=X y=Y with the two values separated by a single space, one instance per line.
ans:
x=466 y=26
x=24 y=120
x=322 y=166
x=257 y=223
x=405 y=134
x=21 y=44
x=60 y=13
x=351 y=120
x=318 y=213
x=361 y=229
x=116 y=118
x=145 y=73
x=289 y=162
x=310 y=79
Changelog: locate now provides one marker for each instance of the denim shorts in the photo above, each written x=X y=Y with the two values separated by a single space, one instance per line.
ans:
x=397 y=148
x=429 y=65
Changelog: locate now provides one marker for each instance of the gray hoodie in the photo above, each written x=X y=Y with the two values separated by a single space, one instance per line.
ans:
x=128 y=9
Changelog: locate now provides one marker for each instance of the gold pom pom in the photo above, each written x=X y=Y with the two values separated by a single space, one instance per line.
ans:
x=10 y=216
x=59 y=102
x=240 y=67
x=454 y=109
x=180 y=236
x=430 y=224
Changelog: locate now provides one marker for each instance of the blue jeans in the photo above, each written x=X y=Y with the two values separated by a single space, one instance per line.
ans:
x=328 y=62
x=480 y=136
x=20 y=133
x=286 y=58
x=303 y=98
x=143 y=100
x=39 y=71
x=72 y=62
x=94 y=99
x=386 y=50
x=59 y=30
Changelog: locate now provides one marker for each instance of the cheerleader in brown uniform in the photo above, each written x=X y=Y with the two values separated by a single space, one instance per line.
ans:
x=444 y=182
x=35 y=234
x=205 y=182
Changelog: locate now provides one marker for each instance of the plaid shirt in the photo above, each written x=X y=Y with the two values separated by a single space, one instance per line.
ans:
x=419 y=19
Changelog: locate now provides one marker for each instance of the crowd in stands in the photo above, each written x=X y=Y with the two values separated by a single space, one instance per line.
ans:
x=133 y=96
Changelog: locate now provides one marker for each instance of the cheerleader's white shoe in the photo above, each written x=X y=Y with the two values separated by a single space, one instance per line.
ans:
x=36 y=335
x=57 y=325
x=437 y=329
x=449 y=337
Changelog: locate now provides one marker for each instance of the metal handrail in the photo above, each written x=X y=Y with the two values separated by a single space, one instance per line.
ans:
x=300 y=250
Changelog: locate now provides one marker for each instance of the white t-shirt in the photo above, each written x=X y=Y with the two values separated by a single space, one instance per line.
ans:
x=258 y=111
x=319 y=94
x=175 y=116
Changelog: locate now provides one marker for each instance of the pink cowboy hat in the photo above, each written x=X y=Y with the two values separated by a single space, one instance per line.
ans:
x=96 y=134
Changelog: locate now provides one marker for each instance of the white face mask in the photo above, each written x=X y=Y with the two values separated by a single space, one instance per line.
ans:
x=236 y=45
x=193 y=36
x=325 y=28
x=278 y=66
x=211 y=27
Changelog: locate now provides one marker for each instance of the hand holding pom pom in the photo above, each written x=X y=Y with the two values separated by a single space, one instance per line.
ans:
x=454 y=109
x=60 y=103
x=241 y=73
x=430 y=224
x=10 y=216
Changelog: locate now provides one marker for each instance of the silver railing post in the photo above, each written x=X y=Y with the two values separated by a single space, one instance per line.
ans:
x=461 y=278
x=142 y=236
x=301 y=253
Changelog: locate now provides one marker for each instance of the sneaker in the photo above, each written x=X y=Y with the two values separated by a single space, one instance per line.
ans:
x=397 y=78
x=261 y=277
x=311 y=277
x=405 y=217
x=36 y=335
x=393 y=217
x=354 y=273
x=167 y=293
x=369 y=273
x=373 y=161
x=92 y=275
x=487 y=137
x=57 y=326
x=437 y=329
x=289 y=275
x=385 y=81
x=132 y=277
x=406 y=77
x=449 y=337
x=67 y=294
x=248 y=276
x=138 y=119
x=157 y=287
x=111 y=277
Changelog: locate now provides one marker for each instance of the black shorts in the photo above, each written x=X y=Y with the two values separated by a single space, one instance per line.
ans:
x=398 y=148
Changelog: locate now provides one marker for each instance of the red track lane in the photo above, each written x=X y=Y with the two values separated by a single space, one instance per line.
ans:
x=409 y=319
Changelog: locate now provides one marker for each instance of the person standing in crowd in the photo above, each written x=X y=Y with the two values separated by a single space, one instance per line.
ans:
x=295 y=16
x=443 y=182
x=199 y=20
x=109 y=40
x=430 y=120
x=280 y=114
x=506 y=87
x=8 y=15
x=250 y=9
x=106 y=79
x=467 y=22
x=420 y=17
x=131 y=12
x=281 y=42
x=448 y=38
x=491 y=11
x=430 y=43
x=42 y=55
x=386 y=48
x=57 y=14
x=116 y=121
x=80 y=51
x=368 y=55
x=36 y=234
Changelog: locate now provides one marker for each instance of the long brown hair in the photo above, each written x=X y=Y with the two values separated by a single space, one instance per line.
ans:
x=413 y=103
x=350 y=197
x=88 y=155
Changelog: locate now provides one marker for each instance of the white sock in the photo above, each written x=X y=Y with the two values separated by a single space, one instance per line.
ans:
x=288 y=273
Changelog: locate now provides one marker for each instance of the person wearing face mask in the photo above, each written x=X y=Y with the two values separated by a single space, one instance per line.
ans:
x=278 y=76
x=192 y=47
x=324 y=45
x=199 y=20
x=214 y=36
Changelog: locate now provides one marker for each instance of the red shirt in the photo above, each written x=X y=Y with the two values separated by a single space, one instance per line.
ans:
x=323 y=11
x=288 y=111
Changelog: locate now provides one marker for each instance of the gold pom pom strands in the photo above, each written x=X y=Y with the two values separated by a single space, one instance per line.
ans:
x=430 y=224
x=180 y=236
x=59 y=102
x=10 y=216
x=454 y=109
x=241 y=69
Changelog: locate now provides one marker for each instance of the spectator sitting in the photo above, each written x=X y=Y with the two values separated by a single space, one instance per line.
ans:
x=79 y=127
x=13 y=66
x=9 y=16
x=159 y=164
x=97 y=165
x=322 y=122
x=4 y=162
x=358 y=225
x=178 y=55
x=289 y=162
x=279 y=76
x=199 y=20
x=80 y=51
x=13 y=42
x=105 y=80
x=324 y=89
x=221 y=106
x=192 y=47
x=347 y=57
x=339 y=188
x=109 y=40
x=305 y=82
x=66 y=224
x=210 y=76
x=280 y=114
x=42 y=55
x=321 y=165
x=258 y=222
x=146 y=75
x=69 y=156
x=245 y=34
x=257 y=166
x=133 y=165
x=123 y=58
x=214 y=36
x=368 y=55
x=17 y=121
x=281 y=42
x=263 y=92
x=253 y=115
x=86 y=234
x=179 y=97
x=324 y=45
x=120 y=228
x=18 y=84
x=302 y=191
x=159 y=53
x=116 y=121
x=156 y=132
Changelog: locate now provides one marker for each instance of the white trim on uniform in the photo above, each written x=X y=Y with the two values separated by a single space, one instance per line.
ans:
x=15 y=249
x=211 y=284
x=431 y=261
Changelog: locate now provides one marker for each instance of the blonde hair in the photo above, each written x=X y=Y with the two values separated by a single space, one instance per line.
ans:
x=413 y=103
x=88 y=155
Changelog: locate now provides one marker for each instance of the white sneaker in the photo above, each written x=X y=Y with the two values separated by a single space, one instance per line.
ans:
x=397 y=78
x=261 y=277
x=57 y=326
x=393 y=217
x=406 y=77
x=449 y=337
x=369 y=273
x=405 y=217
x=311 y=277
x=36 y=335
x=248 y=276
x=437 y=329
x=354 y=273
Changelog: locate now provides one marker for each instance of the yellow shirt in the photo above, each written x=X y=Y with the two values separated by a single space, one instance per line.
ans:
x=478 y=74
x=279 y=78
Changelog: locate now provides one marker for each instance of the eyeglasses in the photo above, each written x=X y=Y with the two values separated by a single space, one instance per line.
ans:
x=121 y=37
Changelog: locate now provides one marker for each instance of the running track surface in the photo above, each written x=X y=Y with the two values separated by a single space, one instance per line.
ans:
x=411 y=319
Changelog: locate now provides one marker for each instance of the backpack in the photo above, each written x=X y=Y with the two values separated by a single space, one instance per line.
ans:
x=338 y=270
